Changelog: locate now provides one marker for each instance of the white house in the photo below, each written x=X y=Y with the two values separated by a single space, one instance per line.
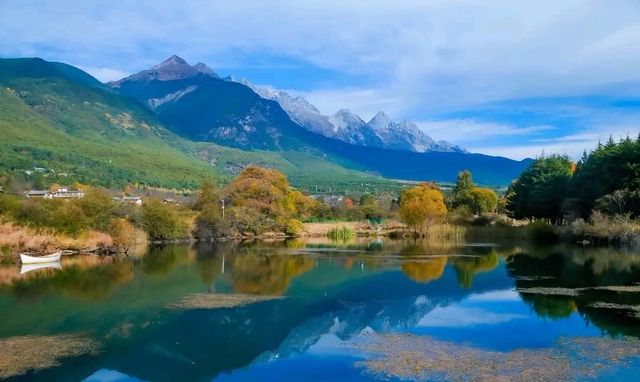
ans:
x=60 y=193
x=132 y=200
x=135 y=200
x=65 y=193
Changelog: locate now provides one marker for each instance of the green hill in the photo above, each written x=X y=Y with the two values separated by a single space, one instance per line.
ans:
x=57 y=117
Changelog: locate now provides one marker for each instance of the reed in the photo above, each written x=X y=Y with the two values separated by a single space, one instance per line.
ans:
x=20 y=238
x=342 y=233
x=620 y=229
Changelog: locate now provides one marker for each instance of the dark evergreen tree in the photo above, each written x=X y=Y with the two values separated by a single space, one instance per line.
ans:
x=540 y=190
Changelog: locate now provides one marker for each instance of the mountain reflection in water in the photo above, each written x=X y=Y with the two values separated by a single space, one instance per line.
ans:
x=330 y=298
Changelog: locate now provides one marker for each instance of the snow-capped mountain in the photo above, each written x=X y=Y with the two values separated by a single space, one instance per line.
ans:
x=380 y=131
x=346 y=126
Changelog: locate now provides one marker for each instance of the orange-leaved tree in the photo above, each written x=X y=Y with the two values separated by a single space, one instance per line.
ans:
x=421 y=206
x=266 y=194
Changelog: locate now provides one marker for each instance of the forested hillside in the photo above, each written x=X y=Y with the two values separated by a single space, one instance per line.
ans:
x=60 y=119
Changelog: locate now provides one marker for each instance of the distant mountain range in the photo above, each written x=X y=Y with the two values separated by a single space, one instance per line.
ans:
x=188 y=117
x=346 y=126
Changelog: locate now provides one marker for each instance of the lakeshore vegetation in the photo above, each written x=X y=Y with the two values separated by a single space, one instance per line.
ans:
x=597 y=198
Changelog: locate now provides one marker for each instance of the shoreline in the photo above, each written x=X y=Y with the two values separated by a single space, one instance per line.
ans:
x=361 y=229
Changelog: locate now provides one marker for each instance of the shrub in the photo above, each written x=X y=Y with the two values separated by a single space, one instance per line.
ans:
x=98 y=206
x=5 y=252
x=248 y=220
x=292 y=227
x=8 y=204
x=123 y=233
x=483 y=200
x=69 y=218
x=482 y=221
x=162 y=221
x=209 y=224
x=461 y=215
x=543 y=233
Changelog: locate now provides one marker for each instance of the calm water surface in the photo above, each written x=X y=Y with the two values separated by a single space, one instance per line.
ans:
x=375 y=310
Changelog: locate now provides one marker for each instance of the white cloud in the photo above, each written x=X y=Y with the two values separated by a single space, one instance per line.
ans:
x=105 y=74
x=465 y=131
x=458 y=316
x=572 y=145
x=496 y=295
x=432 y=55
x=412 y=58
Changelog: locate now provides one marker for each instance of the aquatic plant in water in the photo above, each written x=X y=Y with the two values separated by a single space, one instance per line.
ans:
x=219 y=300
x=413 y=357
x=19 y=355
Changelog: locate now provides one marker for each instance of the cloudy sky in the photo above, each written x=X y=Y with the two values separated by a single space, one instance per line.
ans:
x=514 y=78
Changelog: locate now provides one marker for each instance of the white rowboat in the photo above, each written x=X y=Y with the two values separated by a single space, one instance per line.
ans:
x=52 y=258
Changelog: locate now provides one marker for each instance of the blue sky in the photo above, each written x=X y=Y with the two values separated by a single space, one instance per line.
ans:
x=500 y=77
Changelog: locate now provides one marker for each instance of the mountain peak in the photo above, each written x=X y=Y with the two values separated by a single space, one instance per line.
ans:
x=347 y=115
x=380 y=121
x=344 y=112
x=171 y=61
x=203 y=68
x=173 y=68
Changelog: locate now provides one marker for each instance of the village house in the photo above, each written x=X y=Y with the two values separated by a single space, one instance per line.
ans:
x=331 y=200
x=59 y=193
x=37 y=194
x=131 y=200
x=65 y=193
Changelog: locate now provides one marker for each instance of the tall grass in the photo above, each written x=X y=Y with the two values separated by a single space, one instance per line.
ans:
x=20 y=238
x=620 y=229
x=342 y=233
x=460 y=234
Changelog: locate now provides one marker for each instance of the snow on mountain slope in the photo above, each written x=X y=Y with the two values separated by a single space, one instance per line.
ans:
x=381 y=131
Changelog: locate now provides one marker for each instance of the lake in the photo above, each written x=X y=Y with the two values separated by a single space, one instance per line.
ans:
x=316 y=311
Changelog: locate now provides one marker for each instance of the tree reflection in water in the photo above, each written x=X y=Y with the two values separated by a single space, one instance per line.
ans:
x=267 y=274
x=467 y=267
x=162 y=259
x=425 y=270
x=586 y=273
x=419 y=265
x=88 y=277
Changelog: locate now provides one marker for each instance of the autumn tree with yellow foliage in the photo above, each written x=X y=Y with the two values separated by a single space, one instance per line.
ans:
x=422 y=206
x=261 y=199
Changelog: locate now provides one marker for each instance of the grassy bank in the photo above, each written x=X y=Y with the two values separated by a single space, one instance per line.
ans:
x=603 y=229
x=15 y=238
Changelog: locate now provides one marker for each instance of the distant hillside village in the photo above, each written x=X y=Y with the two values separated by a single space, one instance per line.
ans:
x=58 y=193
x=69 y=193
